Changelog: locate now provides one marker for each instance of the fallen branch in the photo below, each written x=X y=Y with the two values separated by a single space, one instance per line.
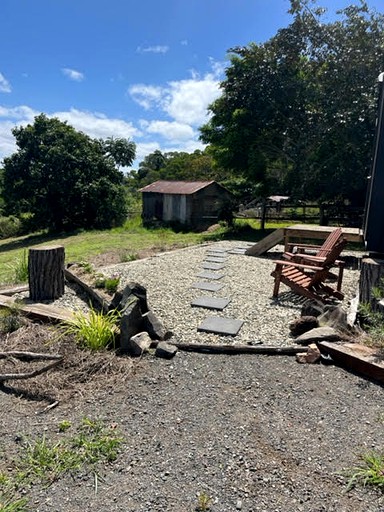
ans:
x=18 y=354
x=29 y=375
x=239 y=349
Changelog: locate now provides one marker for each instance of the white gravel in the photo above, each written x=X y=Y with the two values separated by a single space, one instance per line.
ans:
x=168 y=278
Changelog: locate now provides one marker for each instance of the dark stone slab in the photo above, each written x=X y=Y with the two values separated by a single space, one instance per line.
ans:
x=214 y=259
x=212 y=266
x=211 y=303
x=211 y=287
x=223 y=326
x=210 y=275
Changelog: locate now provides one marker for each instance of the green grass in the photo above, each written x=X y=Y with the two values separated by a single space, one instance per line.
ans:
x=95 y=331
x=369 y=473
x=41 y=461
x=126 y=240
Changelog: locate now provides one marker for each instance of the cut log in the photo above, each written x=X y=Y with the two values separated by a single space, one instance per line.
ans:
x=46 y=272
x=371 y=275
x=236 y=349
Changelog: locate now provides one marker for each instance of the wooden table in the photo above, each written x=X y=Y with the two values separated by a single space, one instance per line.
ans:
x=300 y=232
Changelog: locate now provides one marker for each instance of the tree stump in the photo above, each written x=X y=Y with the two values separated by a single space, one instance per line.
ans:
x=371 y=275
x=46 y=272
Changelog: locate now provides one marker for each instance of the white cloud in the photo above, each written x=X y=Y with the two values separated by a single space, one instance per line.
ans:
x=72 y=74
x=184 y=42
x=5 y=86
x=153 y=49
x=185 y=101
x=97 y=125
x=146 y=96
x=171 y=130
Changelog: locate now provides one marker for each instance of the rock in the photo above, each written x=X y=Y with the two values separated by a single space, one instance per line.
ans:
x=123 y=298
x=303 y=324
x=154 y=327
x=312 y=356
x=336 y=317
x=138 y=344
x=131 y=323
x=312 y=308
x=318 y=334
x=165 y=350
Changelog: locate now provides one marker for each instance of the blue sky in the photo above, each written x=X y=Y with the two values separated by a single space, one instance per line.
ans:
x=140 y=69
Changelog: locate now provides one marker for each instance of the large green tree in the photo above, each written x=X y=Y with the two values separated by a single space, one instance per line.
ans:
x=297 y=113
x=64 y=178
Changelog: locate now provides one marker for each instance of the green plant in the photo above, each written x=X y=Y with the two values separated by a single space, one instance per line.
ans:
x=64 y=425
x=111 y=283
x=10 y=319
x=126 y=257
x=9 y=504
x=95 y=330
x=86 y=266
x=203 y=502
x=95 y=442
x=20 y=268
x=369 y=472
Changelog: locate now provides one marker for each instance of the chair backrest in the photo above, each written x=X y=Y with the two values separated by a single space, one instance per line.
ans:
x=329 y=243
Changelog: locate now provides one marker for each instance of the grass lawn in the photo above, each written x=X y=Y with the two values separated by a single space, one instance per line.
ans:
x=126 y=242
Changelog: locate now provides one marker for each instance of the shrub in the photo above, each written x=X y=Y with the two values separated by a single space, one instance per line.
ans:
x=9 y=226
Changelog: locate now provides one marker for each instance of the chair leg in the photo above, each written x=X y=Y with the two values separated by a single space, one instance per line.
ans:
x=277 y=275
x=340 y=279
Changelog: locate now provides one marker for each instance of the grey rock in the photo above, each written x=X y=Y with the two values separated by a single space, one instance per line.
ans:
x=335 y=317
x=319 y=334
x=131 y=323
x=312 y=308
x=165 y=350
x=123 y=298
x=303 y=324
x=138 y=344
x=154 y=327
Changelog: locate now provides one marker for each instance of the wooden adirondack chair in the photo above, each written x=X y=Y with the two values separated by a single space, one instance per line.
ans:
x=309 y=278
x=321 y=253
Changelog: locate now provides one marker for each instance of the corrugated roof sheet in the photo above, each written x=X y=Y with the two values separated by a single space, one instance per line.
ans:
x=176 y=187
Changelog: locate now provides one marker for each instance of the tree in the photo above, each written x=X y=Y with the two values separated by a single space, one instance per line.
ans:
x=123 y=151
x=297 y=113
x=63 y=178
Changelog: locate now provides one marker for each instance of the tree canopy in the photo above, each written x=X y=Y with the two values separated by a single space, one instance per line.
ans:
x=64 y=178
x=297 y=113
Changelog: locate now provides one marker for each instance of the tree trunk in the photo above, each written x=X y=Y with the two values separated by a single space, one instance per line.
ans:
x=46 y=272
x=371 y=275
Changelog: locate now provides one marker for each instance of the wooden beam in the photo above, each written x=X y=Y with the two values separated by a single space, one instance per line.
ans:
x=43 y=312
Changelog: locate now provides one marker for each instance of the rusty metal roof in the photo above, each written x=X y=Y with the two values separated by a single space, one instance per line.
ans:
x=176 y=187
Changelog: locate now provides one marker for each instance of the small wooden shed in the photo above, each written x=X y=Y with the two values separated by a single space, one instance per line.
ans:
x=193 y=203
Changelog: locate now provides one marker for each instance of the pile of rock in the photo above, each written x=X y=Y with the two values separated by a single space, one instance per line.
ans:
x=139 y=327
x=319 y=323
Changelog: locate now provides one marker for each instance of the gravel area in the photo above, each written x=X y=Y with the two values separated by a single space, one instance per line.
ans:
x=252 y=433
x=247 y=282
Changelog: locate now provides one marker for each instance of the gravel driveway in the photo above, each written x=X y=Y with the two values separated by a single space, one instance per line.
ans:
x=254 y=433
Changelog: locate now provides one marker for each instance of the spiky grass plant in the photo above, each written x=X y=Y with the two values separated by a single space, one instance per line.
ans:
x=95 y=330
x=19 y=268
x=369 y=473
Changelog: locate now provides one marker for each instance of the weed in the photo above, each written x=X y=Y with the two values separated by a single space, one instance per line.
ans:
x=64 y=425
x=94 y=442
x=126 y=257
x=9 y=504
x=95 y=330
x=86 y=266
x=370 y=472
x=20 y=268
x=10 y=319
x=203 y=502
x=111 y=284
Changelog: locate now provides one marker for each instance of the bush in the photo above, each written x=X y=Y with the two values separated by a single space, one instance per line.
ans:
x=9 y=226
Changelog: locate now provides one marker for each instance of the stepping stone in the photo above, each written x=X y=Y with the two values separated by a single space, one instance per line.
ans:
x=211 y=303
x=211 y=287
x=210 y=275
x=220 y=251
x=212 y=259
x=212 y=266
x=237 y=251
x=219 y=325
x=217 y=255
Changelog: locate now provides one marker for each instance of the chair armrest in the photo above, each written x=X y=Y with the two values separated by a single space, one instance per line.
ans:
x=298 y=265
